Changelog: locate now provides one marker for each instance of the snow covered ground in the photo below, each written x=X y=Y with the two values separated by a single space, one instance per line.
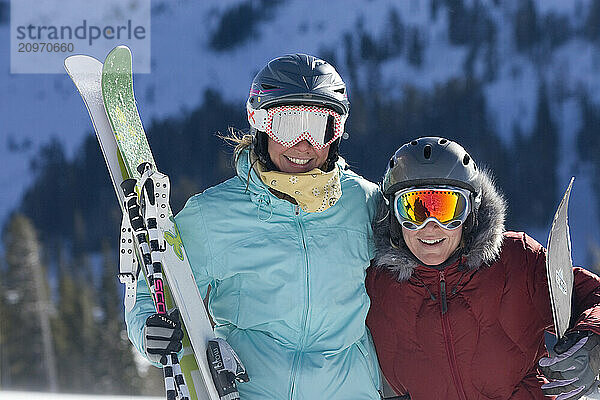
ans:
x=10 y=395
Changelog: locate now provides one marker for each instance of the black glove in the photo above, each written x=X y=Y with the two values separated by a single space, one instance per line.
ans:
x=573 y=370
x=162 y=336
x=226 y=368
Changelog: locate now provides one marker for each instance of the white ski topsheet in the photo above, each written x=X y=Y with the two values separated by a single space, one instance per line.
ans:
x=86 y=73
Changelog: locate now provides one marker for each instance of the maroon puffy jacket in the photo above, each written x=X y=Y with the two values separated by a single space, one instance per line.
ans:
x=482 y=336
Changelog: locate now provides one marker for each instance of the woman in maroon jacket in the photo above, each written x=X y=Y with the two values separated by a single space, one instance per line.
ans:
x=458 y=305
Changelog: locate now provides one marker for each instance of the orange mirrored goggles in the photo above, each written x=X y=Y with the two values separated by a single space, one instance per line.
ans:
x=448 y=207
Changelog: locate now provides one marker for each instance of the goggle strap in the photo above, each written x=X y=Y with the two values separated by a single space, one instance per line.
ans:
x=257 y=118
x=329 y=129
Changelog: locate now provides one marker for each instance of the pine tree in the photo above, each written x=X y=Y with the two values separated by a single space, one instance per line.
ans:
x=416 y=48
x=395 y=39
x=117 y=372
x=67 y=349
x=29 y=359
x=526 y=27
x=77 y=332
x=545 y=146
x=588 y=141
x=537 y=158
x=595 y=256
x=3 y=318
x=459 y=32
x=592 y=23
x=4 y=12
x=368 y=48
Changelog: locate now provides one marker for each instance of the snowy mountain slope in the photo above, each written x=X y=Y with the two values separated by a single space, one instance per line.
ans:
x=39 y=107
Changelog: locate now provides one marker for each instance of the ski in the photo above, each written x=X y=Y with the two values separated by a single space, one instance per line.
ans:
x=107 y=90
x=86 y=74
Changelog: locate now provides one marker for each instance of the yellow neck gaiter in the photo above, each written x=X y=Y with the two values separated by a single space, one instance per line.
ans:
x=314 y=191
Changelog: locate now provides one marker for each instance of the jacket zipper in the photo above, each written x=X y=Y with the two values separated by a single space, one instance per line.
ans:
x=448 y=339
x=297 y=356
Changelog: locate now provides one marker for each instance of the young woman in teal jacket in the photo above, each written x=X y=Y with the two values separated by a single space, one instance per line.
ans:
x=284 y=245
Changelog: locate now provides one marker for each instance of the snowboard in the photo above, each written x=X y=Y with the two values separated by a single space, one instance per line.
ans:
x=559 y=266
x=107 y=90
x=559 y=271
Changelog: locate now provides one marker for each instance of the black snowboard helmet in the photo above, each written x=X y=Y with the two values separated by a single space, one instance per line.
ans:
x=431 y=161
x=296 y=79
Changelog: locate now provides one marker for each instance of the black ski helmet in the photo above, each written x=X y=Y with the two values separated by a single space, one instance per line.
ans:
x=296 y=79
x=431 y=161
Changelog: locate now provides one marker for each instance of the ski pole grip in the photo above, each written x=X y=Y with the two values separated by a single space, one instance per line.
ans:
x=149 y=187
x=143 y=166
x=128 y=186
x=131 y=204
x=223 y=379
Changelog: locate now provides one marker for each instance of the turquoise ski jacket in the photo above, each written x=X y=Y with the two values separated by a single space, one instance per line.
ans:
x=287 y=287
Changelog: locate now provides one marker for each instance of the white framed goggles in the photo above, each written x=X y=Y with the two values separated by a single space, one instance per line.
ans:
x=290 y=124
x=449 y=207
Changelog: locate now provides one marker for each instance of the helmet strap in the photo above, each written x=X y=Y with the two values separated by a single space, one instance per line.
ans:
x=395 y=227
x=333 y=155
x=260 y=146
x=469 y=227
x=471 y=222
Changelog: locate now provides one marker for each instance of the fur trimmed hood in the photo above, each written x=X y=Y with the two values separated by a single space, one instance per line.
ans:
x=483 y=248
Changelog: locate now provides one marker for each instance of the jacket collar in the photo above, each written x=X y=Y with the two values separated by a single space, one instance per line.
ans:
x=482 y=249
x=246 y=173
x=259 y=192
x=249 y=177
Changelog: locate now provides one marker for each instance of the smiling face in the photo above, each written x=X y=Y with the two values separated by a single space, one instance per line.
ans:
x=432 y=244
x=302 y=157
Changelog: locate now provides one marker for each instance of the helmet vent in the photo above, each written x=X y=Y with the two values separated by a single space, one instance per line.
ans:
x=466 y=159
x=443 y=141
x=340 y=90
x=266 y=86
x=427 y=151
x=414 y=142
x=392 y=162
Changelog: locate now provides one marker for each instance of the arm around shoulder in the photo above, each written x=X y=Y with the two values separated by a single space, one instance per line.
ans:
x=586 y=300
x=586 y=289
